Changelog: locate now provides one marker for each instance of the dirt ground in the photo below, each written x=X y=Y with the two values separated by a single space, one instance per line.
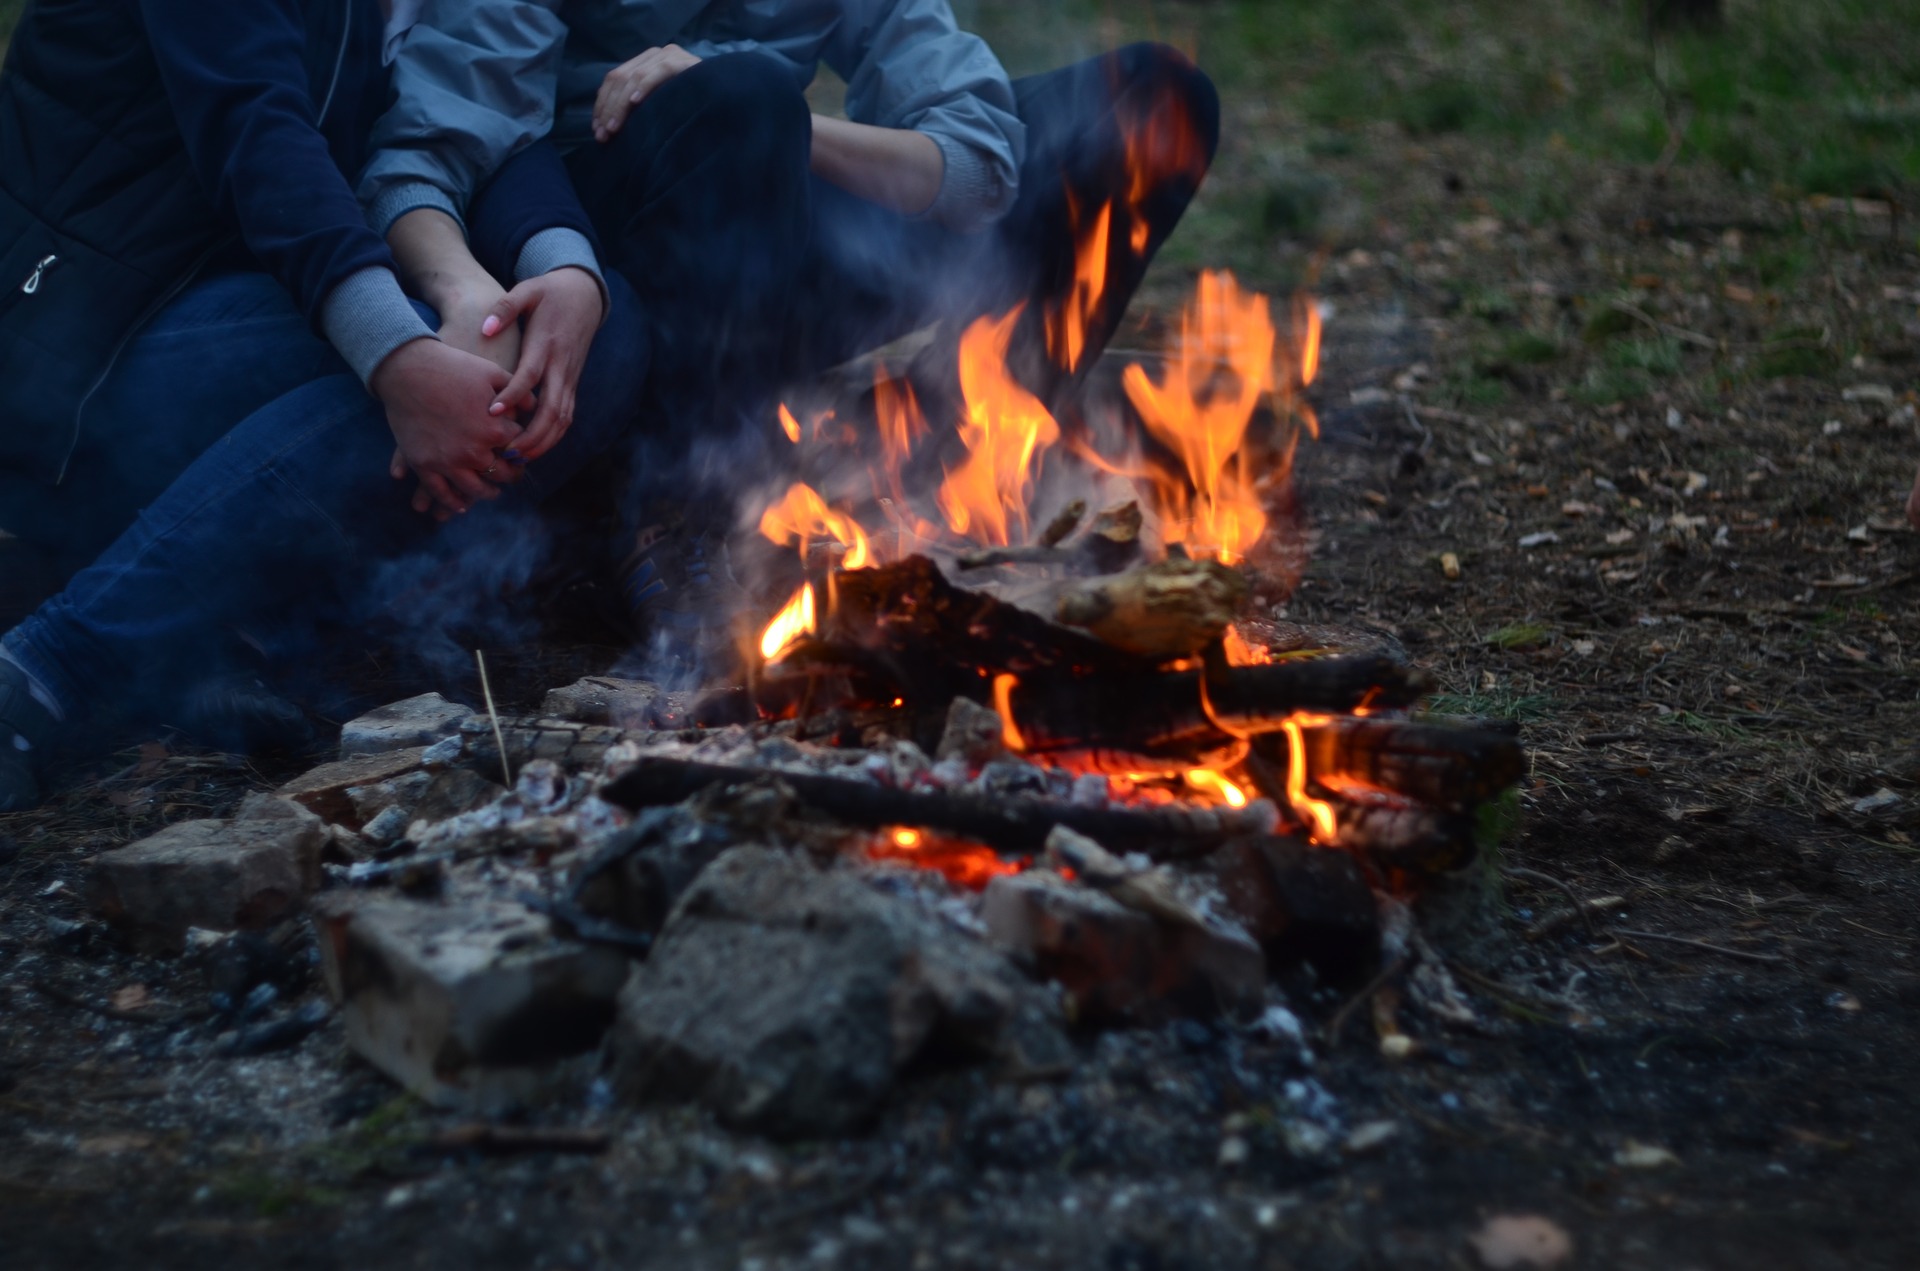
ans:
x=1664 y=427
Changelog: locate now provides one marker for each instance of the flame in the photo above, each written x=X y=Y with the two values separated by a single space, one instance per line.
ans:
x=804 y=515
x=1317 y=813
x=898 y=413
x=1208 y=781
x=789 y=425
x=1067 y=326
x=1005 y=425
x=1240 y=653
x=1200 y=411
x=1003 y=703
x=795 y=619
x=1309 y=343
x=1161 y=145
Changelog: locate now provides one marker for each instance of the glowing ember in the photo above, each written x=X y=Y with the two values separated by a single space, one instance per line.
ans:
x=804 y=515
x=1211 y=782
x=962 y=863
x=1067 y=325
x=1003 y=703
x=905 y=839
x=1005 y=425
x=1317 y=813
x=1223 y=366
x=789 y=425
x=795 y=619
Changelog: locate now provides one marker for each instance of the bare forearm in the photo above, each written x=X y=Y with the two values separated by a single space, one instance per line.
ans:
x=893 y=167
x=435 y=262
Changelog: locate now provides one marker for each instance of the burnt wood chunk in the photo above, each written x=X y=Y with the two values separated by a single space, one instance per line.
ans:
x=1445 y=767
x=1302 y=903
x=1171 y=608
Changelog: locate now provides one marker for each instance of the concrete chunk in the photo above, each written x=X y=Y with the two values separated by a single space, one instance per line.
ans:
x=325 y=790
x=604 y=699
x=417 y=721
x=1117 y=964
x=787 y=997
x=219 y=875
x=473 y=1004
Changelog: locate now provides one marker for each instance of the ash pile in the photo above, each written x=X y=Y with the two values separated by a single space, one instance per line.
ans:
x=785 y=920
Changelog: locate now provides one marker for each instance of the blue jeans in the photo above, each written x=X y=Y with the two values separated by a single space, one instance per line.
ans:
x=221 y=350
x=289 y=519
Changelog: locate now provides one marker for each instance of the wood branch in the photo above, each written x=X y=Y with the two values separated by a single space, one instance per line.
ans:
x=1064 y=524
x=1257 y=699
x=1013 y=825
x=1419 y=840
x=1172 y=608
x=1449 y=768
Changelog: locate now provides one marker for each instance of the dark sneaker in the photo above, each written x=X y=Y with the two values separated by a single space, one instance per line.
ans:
x=237 y=713
x=26 y=730
x=675 y=584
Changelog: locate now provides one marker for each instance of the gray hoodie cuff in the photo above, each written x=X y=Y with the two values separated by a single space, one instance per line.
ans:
x=367 y=317
x=972 y=195
x=560 y=248
x=396 y=201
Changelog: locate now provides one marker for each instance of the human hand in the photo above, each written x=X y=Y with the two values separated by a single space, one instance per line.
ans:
x=464 y=312
x=627 y=86
x=562 y=309
x=437 y=399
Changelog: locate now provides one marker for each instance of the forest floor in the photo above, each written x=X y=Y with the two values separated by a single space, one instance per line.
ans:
x=1657 y=402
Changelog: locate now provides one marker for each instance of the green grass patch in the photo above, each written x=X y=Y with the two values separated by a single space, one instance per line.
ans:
x=1530 y=348
x=1520 y=635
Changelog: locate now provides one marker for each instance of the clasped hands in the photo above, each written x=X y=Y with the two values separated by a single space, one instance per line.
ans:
x=494 y=393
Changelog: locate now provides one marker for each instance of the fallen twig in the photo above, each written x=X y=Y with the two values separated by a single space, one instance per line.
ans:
x=1698 y=944
x=1579 y=904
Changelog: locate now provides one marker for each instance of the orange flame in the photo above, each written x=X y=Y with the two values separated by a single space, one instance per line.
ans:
x=1207 y=781
x=1003 y=703
x=1067 y=326
x=1240 y=653
x=1162 y=145
x=1309 y=343
x=789 y=425
x=804 y=515
x=1317 y=813
x=898 y=413
x=795 y=619
x=1200 y=411
x=1005 y=425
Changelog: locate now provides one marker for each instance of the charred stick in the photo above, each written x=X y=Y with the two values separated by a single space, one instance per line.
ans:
x=1014 y=825
x=1453 y=769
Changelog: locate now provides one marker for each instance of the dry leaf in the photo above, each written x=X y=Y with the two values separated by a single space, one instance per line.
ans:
x=130 y=998
x=1521 y=1240
x=1637 y=1155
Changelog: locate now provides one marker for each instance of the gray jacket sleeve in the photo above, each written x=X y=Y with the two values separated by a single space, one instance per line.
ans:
x=474 y=82
x=908 y=64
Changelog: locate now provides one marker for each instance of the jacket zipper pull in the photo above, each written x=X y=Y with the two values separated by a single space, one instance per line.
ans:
x=32 y=284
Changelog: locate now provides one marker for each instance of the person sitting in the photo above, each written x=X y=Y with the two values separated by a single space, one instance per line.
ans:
x=765 y=242
x=176 y=192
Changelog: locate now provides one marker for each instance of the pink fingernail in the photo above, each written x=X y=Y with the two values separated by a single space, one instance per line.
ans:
x=491 y=325
x=497 y=408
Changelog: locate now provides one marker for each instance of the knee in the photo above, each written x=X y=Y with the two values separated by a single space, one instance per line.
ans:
x=1170 y=87
x=748 y=99
x=615 y=375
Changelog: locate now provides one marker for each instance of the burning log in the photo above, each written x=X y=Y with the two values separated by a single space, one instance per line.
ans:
x=1397 y=836
x=1016 y=825
x=1448 y=768
x=1169 y=609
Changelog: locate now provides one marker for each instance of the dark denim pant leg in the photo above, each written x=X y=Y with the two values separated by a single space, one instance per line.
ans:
x=225 y=347
x=872 y=275
x=702 y=202
x=287 y=519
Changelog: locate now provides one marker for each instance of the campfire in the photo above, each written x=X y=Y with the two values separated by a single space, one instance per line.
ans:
x=1016 y=753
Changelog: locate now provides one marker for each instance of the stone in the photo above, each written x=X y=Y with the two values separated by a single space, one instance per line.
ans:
x=1117 y=964
x=324 y=790
x=469 y=1003
x=417 y=721
x=218 y=875
x=973 y=734
x=605 y=699
x=402 y=793
x=789 y=997
x=1302 y=904
x=453 y=792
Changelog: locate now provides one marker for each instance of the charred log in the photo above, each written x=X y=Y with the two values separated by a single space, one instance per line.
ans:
x=1417 y=840
x=1444 y=767
x=1015 y=825
x=1169 y=609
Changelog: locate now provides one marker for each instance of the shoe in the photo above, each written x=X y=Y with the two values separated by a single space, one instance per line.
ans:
x=675 y=584
x=26 y=730
x=237 y=713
